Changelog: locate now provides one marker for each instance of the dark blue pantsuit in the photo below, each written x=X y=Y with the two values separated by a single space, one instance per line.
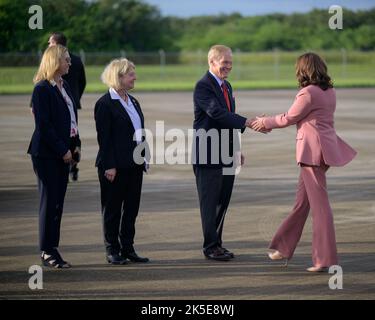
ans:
x=52 y=177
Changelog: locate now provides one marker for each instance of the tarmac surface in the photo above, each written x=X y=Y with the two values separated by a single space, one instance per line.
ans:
x=168 y=229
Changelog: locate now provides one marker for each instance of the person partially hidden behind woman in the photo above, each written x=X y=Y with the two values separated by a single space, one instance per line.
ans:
x=54 y=146
x=318 y=148
x=119 y=118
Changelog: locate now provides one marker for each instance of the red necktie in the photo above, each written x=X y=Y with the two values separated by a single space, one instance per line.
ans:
x=226 y=96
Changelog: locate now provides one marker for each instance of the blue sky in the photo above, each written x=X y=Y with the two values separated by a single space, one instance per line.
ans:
x=187 y=8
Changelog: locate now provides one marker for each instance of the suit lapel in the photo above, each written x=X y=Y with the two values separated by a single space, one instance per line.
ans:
x=121 y=109
x=219 y=92
x=124 y=113
x=58 y=93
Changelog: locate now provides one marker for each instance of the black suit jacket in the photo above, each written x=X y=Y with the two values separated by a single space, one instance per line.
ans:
x=211 y=112
x=76 y=79
x=51 y=137
x=115 y=133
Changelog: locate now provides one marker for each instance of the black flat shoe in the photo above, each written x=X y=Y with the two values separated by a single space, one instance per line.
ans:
x=227 y=252
x=217 y=254
x=132 y=256
x=115 y=259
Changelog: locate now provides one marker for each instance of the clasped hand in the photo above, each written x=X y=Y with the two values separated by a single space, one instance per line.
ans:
x=257 y=124
x=69 y=158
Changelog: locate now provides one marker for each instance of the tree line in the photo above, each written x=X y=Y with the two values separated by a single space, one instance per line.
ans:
x=133 y=25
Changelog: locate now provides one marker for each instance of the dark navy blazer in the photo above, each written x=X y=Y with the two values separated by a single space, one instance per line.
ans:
x=51 y=137
x=211 y=112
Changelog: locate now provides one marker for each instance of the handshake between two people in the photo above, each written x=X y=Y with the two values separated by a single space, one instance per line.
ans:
x=257 y=124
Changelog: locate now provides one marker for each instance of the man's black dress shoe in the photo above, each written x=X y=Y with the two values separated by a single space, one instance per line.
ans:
x=132 y=256
x=217 y=254
x=115 y=259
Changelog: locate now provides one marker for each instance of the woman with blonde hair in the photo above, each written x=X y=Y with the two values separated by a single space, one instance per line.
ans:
x=54 y=145
x=119 y=123
x=318 y=148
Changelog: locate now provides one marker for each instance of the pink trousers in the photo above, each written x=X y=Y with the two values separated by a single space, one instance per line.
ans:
x=311 y=194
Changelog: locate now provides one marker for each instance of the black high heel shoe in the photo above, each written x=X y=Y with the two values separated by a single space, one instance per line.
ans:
x=61 y=260
x=54 y=260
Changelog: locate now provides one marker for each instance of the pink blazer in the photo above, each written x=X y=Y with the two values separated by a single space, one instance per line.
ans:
x=313 y=112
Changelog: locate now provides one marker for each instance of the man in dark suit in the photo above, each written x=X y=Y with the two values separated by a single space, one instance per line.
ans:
x=76 y=79
x=214 y=158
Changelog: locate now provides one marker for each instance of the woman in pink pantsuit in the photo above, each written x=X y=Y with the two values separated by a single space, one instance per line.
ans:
x=318 y=147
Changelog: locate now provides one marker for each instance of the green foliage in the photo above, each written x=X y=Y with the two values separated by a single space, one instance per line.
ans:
x=133 y=25
x=286 y=32
x=89 y=25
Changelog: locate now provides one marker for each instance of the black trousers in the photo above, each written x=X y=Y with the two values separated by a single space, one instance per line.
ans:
x=120 y=204
x=52 y=177
x=214 y=192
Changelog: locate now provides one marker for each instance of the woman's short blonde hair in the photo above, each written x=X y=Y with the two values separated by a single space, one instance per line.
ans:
x=115 y=69
x=217 y=51
x=50 y=63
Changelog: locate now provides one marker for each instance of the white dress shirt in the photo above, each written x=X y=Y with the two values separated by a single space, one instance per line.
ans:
x=132 y=112
x=70 y=105
x=219 y=81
